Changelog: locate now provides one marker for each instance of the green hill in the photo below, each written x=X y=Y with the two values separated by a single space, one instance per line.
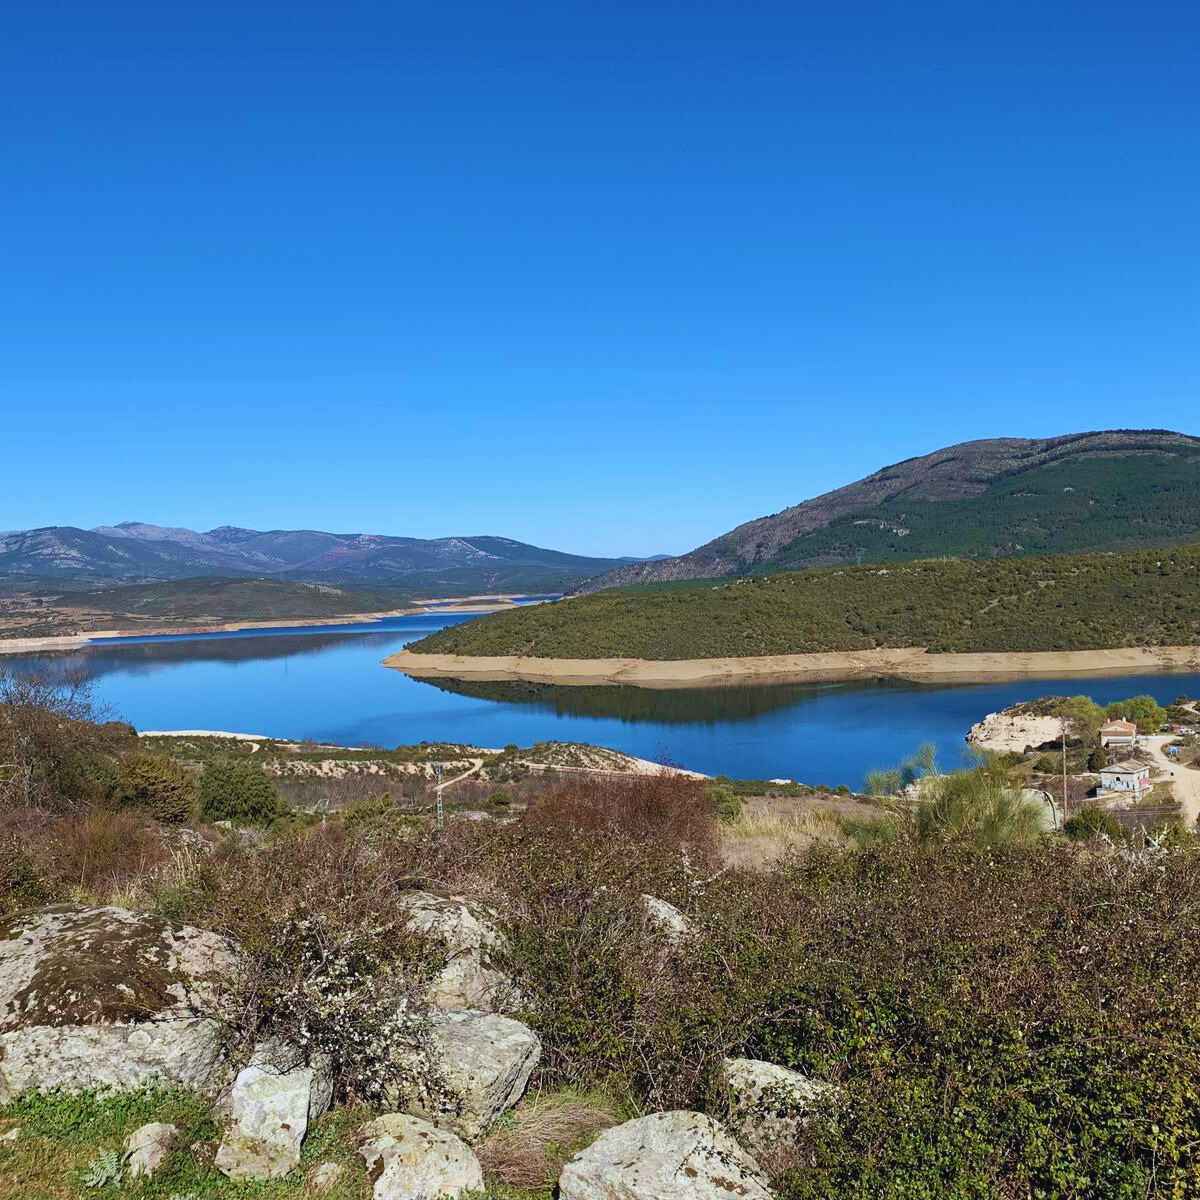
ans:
x=1066 y=602
x=1114 y=490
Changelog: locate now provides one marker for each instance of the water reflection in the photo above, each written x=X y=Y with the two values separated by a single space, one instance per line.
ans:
x=666 y=706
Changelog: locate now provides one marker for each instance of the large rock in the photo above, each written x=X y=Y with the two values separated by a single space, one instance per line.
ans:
x=409 y=1159
x=148 y=1147
x=468 y=979
x=483 y=1062
x=96 y=997
x=769 y=1104
x=667 y=919
x=271 y=1104
x=665 y=1156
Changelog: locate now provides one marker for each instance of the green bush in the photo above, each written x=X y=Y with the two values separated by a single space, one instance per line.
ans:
x=157 y=785
x=236 y=789
x=1092 y=821
x=501 y=798
x=726 y=803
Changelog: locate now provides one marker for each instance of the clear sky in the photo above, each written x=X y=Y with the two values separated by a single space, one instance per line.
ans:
x=610 y=277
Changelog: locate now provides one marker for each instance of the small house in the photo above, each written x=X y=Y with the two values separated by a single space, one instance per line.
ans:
x=1118 y=733
x=1132 y=777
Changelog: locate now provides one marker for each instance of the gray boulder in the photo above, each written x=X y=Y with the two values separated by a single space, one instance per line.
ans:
x=769 y=1104
x=665 y=1156
x=408 y=1158
x=271 y=1104
x=468 y=980
x=666 y=918
x=483 y=1062
x=97 y=997
x=148 y=1147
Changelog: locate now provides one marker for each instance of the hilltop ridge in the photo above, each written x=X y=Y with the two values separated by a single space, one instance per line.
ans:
x=981 y=499
x=134 y=551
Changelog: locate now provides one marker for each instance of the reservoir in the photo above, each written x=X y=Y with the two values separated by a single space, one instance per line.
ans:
x=326 y=683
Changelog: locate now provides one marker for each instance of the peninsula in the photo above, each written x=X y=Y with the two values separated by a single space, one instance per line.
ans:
x=936 y=620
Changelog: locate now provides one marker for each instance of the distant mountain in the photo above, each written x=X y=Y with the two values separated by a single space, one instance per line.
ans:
x=1112 y=490
x=134 y=551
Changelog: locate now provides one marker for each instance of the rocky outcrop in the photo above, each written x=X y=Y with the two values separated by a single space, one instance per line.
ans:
x=665 y=1156
x=408 y=1158
x=1011 y=730
x=98 y=997
x=470 y=937
x=483 y=1062
x=769 y=1104
x=271 y=1104
x=148 y=1147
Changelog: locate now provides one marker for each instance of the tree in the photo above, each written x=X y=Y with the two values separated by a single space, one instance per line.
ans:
x=1083 y=716
x=158 y=785
x=1098 y=759
x=1144 y=711
x=235 y=789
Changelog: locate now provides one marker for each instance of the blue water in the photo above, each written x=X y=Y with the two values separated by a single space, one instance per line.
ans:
x=326 y=682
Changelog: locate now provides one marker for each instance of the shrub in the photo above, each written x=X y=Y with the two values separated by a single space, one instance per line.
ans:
x=101 y=850
x=62 y=759
x=331 y=965
x=980 y=806
x=1092 y=821
x=236 y=789
x=22 y=884
x=157 y=785
x=999 y=1024
x=726 y=803
x=501 y=798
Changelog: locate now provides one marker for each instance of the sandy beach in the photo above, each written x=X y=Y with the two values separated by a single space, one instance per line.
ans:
x=912 y=663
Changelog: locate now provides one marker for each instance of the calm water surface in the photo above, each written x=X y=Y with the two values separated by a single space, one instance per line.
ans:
x=326 y=683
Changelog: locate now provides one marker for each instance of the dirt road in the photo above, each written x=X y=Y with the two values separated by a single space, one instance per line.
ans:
x=1185 y=781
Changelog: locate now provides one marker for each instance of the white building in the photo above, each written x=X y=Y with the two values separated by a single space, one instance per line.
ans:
x=1131 y=777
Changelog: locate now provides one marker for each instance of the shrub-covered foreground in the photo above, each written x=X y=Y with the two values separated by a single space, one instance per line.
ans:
x=998 y=1022
x=1000 y=1016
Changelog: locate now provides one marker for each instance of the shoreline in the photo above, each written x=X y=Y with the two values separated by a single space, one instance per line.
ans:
x=913 y=664
x=472 y=605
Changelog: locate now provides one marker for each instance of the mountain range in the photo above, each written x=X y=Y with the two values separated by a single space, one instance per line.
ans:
x=1106 y=490
x=137 y=552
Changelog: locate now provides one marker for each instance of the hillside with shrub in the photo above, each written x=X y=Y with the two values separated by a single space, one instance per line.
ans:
x=1069 y=602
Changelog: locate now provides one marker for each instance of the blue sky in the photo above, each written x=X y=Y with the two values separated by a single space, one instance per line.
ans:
x=608 y=277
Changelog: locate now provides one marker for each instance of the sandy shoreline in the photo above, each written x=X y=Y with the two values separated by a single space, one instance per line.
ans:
x=74 y=641
x=912 y=663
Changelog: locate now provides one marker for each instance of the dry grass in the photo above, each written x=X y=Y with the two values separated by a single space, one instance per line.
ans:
x=761 y=835
x=530 y=1147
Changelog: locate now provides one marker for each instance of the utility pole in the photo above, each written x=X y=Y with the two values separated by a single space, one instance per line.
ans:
x=437 y=791
x=1063 y=816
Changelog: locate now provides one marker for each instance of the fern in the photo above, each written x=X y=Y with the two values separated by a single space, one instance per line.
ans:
x=103 y=1170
